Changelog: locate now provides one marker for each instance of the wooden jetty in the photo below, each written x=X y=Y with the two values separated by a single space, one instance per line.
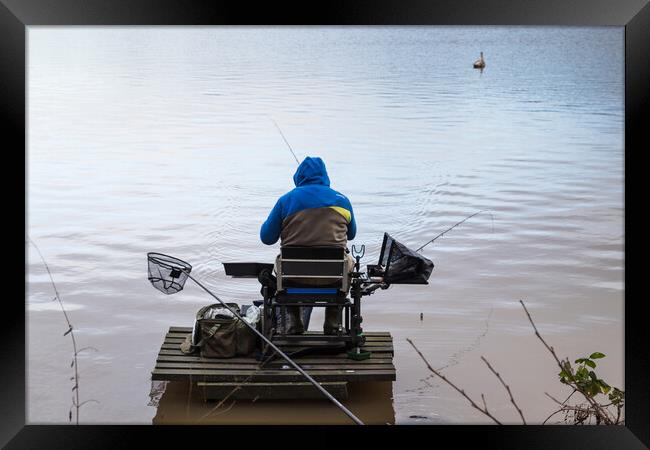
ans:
x=276 y=379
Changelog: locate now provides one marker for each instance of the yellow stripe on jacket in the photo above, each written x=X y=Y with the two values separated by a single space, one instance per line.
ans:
x=342 y=211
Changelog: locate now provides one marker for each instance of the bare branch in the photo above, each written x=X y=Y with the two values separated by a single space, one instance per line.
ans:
x=235 y=389
x=570 y=395
x=539 y=336
x=564 y=406
x=70 y=330
x=512 y=400
x=552 y=414
x=599 y=411
x=462 y=392
x=87 y=348
x=223 y=400
x=227 y=409
x=89 y=400
x=554 y=399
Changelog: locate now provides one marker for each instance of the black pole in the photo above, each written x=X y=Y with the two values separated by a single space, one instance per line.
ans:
x=281 y=353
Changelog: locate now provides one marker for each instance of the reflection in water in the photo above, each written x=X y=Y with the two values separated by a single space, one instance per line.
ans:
x=372 y=402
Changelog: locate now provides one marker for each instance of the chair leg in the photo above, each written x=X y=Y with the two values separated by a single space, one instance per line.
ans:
x=347 y=320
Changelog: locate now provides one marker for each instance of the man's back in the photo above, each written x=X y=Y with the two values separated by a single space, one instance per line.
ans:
x=312 y=214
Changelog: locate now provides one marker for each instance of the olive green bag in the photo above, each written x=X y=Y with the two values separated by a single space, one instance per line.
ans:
x=246 y=340
x=220 y=336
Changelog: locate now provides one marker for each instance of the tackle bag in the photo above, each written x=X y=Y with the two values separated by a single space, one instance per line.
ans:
x=217 y=333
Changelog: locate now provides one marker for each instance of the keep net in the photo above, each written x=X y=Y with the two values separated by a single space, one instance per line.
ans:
x=404 y=266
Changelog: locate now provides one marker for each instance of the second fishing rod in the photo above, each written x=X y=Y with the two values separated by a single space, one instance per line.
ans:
x=422 y=246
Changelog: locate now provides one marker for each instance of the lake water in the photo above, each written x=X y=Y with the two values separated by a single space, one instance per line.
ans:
x=160 y=139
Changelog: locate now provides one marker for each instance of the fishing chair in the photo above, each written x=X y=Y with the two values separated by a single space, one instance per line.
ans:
x=310 y=277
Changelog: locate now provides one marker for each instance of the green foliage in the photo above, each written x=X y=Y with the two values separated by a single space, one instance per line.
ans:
x=617 y=397
x=587 y=381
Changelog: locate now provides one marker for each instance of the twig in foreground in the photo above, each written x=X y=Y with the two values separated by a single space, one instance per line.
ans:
x=75 y=399
x=234 y=390
x=562 y=404
x=565 y=366
x=512 y=400
x=462 y=392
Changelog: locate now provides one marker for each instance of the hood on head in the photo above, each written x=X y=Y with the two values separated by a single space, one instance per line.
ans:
x=311 y=171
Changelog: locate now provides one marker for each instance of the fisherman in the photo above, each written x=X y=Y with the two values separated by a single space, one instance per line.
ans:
x=311 y=214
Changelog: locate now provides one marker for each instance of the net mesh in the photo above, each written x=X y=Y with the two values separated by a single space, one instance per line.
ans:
x=406 y=266
x=166 y=273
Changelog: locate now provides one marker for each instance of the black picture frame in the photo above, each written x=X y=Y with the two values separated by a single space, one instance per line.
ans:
x=16 y=15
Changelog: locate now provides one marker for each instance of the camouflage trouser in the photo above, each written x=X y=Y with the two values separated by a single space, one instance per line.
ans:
x=297 y=320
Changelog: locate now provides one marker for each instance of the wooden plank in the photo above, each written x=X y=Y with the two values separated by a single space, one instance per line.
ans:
x=271 y=375
x=297 y=346
x=294 y=348
x=223 y=375
x=272 y=391
x=343 y=357
x=180 y=337
x=387 y=350
x=323 y=360
x=281 y=342
x=306 y=367
x=379 y=348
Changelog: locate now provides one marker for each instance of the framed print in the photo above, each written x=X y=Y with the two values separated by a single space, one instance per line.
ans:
x=409 y=214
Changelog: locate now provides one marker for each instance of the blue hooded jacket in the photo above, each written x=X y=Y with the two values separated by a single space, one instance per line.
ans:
x=312 y=191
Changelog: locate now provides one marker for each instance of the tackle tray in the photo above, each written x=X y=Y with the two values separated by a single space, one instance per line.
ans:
x=245 y=269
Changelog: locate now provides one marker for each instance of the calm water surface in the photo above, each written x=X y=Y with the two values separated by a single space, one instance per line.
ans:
x=160 y=139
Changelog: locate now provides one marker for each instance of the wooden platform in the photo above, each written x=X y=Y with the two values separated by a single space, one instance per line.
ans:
x=276 y=379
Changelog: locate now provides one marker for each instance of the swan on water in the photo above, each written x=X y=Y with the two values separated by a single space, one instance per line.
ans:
x=479 y=63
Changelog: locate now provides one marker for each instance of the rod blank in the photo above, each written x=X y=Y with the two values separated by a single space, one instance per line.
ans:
x=281 y=353
x=451 y=228
x=285 y=140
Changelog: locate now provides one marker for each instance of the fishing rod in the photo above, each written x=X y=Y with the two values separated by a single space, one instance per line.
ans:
x=285 y=140
x=281 y=353
x=452 y=227
x=173 y=282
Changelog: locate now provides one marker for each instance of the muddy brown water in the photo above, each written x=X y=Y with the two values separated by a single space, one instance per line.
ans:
x=158 y=139
x=371 y=402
